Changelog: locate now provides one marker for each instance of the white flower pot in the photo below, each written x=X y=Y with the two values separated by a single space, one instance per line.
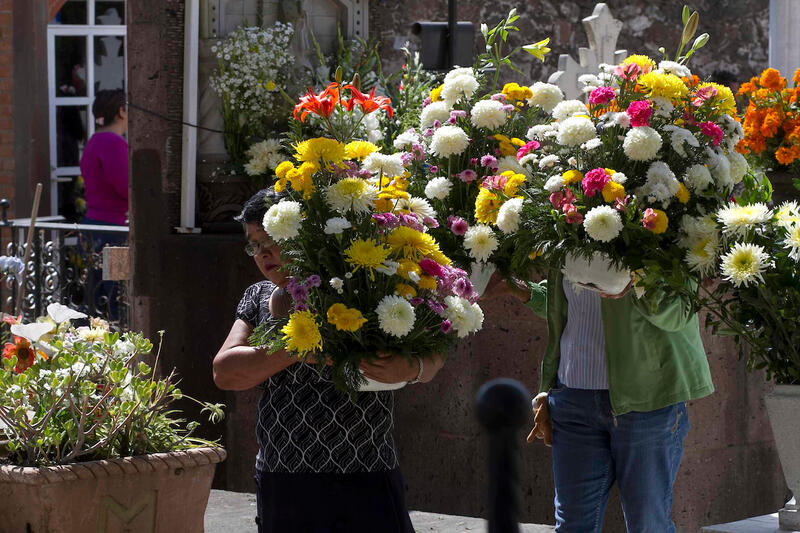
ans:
x=481 y=273
x=377 y=386
x=783 y=407
x=596 y=274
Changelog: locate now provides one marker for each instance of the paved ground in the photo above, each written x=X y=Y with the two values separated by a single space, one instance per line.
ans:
x=759 y=524
x=234 y=511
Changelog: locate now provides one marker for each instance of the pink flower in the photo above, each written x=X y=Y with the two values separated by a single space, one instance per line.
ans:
x=431 y=267
x=500 y=97
x=468 y=175
x=488 y=161
x=602 y=95
x=594 y=181
x=446 y=326
x=533 y=145
x=457 y=225
x=620 y=204
x=639 y=112
x=710 y=129
x=628 y=72
x=703 y=94
x=473 y=161
x=649 y=218
x=494 y=183
x=434 y=169
x=557 y=199
x=572 y=214
x=688 y=118
x=430 y=222
x=458 y=113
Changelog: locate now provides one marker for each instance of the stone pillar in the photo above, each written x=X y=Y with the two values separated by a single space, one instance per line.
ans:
x=784 y=45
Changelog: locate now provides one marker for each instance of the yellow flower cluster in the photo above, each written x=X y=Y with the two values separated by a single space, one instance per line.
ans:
x=487 y=204
x=613 y=191
x=683 y=193
x=390 y=191
x=415 y=245
x=405 y=290
x=366 y=254
x=436 y=94
x=301 y=333
x=359 y=150
x=507 y=146
x=298 y=177
x=513 y=182
x=345 y=318
x=320 y=149
x=572 y=176
x=514 y=91
x=644 y=62
x=667 y=86
x=661 y=222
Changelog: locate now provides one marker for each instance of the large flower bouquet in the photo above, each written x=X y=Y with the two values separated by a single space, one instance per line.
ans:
x=772 y=121
x=757 y=299
x=367 y=276
x=625 y=183
x=72 y=394
x=464 y=155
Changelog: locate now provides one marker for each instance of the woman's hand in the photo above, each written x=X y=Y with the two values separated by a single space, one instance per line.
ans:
x=620 y=294
x=543 y=426
x=390 y=368
x=498 y=286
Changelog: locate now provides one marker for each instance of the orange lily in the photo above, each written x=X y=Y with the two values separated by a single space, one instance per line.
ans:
x=368 y=102
x=321 y=104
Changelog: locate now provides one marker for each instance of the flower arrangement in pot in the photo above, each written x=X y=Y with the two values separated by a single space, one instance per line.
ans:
x=87 y=419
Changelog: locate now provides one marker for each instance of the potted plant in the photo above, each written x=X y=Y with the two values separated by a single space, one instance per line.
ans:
x=94 y=441
x=758 y=301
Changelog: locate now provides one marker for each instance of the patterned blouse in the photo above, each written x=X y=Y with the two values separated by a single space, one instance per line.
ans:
x=305 y=425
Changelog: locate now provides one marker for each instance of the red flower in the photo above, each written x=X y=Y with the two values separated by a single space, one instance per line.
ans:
x=368 y=102
x=321 y=104
x=8 y=319
x=22 y=349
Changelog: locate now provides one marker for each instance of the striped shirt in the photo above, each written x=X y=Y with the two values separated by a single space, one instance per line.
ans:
x=583 y=345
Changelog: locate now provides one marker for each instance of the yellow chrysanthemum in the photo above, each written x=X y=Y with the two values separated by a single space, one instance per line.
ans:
x=486 y=206
x=406 y=267
x=507 y=149
x=282 y=168
x=644 y=62
x=345 y=318
x=412 y=244
x=427 y=282
x=301 y=333
x=436 y=94
x=613 y=191
x=517 y=142
x=667 y=86
x=683 y=193
x=610 y=172
x=514 y=91
x=572 y=176
x=320 y=148
x=366 y=254
x=513 y=183
x=405 y=290
x=359 y=150
x=724 y=98
x=660 y=222
x=440 y=258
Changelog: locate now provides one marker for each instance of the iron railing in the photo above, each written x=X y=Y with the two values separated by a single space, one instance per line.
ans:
x=65 y=266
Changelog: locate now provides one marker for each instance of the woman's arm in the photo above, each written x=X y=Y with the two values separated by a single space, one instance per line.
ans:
x=395 y=368
x=239 y=366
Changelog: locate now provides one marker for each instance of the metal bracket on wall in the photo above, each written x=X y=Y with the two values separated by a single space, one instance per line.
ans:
x=209 y=19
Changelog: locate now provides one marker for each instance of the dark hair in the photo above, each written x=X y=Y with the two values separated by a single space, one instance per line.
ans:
x=724 y=77
x=254 y=209
x=106 y=106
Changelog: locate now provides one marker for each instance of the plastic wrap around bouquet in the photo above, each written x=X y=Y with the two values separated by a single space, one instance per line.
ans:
x=367 y=277
x=635 y=174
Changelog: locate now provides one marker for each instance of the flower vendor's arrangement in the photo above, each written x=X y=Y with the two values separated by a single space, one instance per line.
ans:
x=367 y=276
x=757 y=252
x=630 y=179
x=254 y=74
x=464 y=153
x=772 y=121
x=71 y=394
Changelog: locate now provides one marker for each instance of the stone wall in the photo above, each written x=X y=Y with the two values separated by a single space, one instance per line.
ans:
x=6 y=101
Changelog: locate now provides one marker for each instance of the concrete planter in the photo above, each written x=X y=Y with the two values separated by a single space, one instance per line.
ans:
x=161 y=492
x=783 y=407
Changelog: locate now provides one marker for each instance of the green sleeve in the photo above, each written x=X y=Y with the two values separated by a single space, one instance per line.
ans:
x=670 y=314
x=538 y=301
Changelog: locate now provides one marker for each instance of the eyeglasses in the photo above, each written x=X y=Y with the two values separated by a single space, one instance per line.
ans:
x=253 y=248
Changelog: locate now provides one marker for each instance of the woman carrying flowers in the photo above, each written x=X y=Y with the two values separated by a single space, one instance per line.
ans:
x=326 y=460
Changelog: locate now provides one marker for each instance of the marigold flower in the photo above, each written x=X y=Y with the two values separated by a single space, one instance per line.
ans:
x=772 y=79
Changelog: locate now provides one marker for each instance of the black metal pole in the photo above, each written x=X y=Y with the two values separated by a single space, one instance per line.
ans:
x=502 y=408
x=452 y=18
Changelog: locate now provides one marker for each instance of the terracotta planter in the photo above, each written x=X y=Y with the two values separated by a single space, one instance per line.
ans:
x=161 y=492
x=783 y=406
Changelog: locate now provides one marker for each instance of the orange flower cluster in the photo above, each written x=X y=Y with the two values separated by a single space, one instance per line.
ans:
x=772 y=120
x=324 y=103
x=21 y=347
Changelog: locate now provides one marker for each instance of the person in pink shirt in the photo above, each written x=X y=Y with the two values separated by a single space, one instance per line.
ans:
x=104 y=164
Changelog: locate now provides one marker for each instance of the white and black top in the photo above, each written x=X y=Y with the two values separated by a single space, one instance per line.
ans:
x=305 y=425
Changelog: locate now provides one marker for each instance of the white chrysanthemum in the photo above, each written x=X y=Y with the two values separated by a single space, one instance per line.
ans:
x=642 y=143
x=662 y=107
x=590 y=80
x=418 y=206
x=661 y=184
x=336 y=283
x=720 y=168
x=554 y=183
x=738 y=166
x=480 y=241
x=591 y=144
x=263 y=155
x=488 y=114
x=622 y=120
x=787 y=213
x=671 y=67
x=508 y=215
x=390 y=165
x=351 y=193
x=449 y=140
x=395 y=315
x=432 y=112
x=697 y=178
x=530 y=157
x=438 y=188
x=458 y=83
x=545 y=95
x=619 y=177
x=406 y=139
x=336 y=225
x=701 y=241
x=373 y=127
x=573 y=131
x=465 y=317
x=282 y=220
x=737 y=219
x=509 y=162
x=792 y=241
x=602 y=223
x=537 y=133
x=680 y=136
x=744 y=264
x=388 y=267
x=548 y=161
x=569 y=108
x=733 y=132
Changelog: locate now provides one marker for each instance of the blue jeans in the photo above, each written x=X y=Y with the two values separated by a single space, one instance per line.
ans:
x=592 y=449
